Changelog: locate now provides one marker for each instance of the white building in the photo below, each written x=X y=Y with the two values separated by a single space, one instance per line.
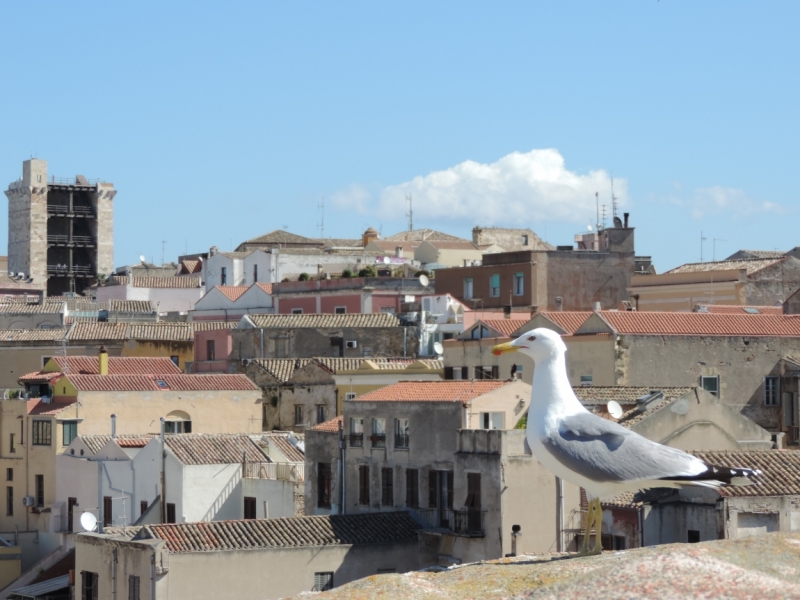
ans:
x=231 y=303
x=166 y=294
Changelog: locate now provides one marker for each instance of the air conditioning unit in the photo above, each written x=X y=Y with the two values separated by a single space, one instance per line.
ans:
x=351 y=344
x=28 y=501
x=245 y=362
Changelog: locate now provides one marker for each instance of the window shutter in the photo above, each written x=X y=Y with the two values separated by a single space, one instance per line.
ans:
x=432 y=489
x=464 y=372
x=473 y=490
x=495 y=372
x=449 y=489
x=448 y=373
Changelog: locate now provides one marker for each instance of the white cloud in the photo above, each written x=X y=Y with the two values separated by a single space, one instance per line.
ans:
x=517 y=189
x=736 y=203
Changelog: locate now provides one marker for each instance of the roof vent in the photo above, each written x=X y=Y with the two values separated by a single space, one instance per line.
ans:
x=646 y=402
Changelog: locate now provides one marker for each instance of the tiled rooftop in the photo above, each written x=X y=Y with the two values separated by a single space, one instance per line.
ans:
x=505 y=327
x=284 y=369
x=162 y=331
x=333 y=425
x=431 y=391
x=267 y=287
x=165 y=282
x=279 y=236
x=419 y=235
x=313 y=321
x=592 y=394
x=96 y=442
x=452 y=245
x=32 y=335
x=780 y=470
x=117 y=365
x=568 y=320
x=232 y=292
x=286 y=532
x=11 y=306
x=37 y=407
x=751 y=265
x=282 y=443
x=708 y=324
x=146 y=383
x=214 y=449
x=730 y=309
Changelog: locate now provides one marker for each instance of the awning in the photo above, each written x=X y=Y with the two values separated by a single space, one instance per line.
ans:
x=43 y=587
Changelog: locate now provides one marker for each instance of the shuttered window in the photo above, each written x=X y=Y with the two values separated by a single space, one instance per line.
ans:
x=324 y=483
x=387 y=487
x=412 y=488
x=133 y=587
x=249 y=507
x=363 y=484
x=323 y=582
x=89 y=586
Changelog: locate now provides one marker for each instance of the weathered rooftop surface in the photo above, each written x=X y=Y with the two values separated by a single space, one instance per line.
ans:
x=750 y=264
x=765 y=566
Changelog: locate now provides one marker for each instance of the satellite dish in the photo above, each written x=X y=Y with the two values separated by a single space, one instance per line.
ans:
x=438 y=348
x=614 y=409
x=386 y=260
x=590 y=228
x=88 y=521
x=424 y=281
x=142 y=258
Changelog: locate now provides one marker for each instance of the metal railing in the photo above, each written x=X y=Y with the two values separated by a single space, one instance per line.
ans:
x=63 y=208
x=71 y=181
x=356 y=440
x=401 y=441
x=280 y=471
x=378 y=440
x=64 y=239
x=65 y=270
x=466 y=521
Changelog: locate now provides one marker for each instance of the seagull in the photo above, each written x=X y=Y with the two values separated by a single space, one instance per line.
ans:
x=602 y=457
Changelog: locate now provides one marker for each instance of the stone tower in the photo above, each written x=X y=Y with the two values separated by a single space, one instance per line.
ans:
x=60 y=231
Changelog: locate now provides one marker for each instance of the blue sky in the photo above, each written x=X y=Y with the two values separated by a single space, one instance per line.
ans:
x=221 y=121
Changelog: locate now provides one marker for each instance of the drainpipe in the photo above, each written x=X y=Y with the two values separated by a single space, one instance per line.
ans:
x=405 y=342
x=641 y=527
x=114 y=575
x=100 y=507
x=341 y=468
x=163 y=475
x=113 y=427
x=262 y=342
x=560 y=514
x=153 y=576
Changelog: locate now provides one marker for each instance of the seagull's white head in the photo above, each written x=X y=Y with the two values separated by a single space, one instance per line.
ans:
x=540 y=344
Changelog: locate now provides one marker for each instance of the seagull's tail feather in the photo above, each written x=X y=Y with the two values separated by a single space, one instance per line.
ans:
x=716 y=476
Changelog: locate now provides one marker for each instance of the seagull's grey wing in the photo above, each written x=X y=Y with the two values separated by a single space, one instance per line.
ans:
x=602 y=450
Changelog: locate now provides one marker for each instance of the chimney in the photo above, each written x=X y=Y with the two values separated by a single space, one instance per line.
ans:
x=113 y=426
x=597 y=307
x=213 y=250
x=626 y=215
x=398 y=251
x=103 y=361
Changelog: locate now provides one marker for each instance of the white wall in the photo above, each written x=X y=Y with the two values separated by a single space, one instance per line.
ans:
x=212 y=269
x=264 y=262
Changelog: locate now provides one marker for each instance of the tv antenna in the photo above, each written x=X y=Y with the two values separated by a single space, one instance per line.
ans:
x=714 y=248
x=597 y=206
x=603 y=213
x=410 y=213
x=163 y=246
x=321 y=209
x=613 y=199
x=702 y=239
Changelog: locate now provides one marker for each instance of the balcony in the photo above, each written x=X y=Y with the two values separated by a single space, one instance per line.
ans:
x=64 y=209
x=64 y=240
x=401 y=441
x=356 y=440
x=65 y=271
x=465 y=521
x=378 y=440
x=280 y=471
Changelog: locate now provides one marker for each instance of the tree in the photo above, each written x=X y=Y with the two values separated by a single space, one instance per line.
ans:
x=303 y=277
x=368 y=272
x=347 y=273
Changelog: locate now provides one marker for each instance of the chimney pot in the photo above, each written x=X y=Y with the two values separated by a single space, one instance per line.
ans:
x=626 y=215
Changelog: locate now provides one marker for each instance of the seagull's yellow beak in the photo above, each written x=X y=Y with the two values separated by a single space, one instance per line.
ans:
x=503 y=348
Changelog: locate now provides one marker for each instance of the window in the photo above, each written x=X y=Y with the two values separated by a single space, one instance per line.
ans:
x=42 y=433
x=710 y=383
x=223 y=275
x=388 y=309
x=170 y=512
x=363 y=484
x=340 y=310
x=480 y=332
x=387 y=571
x=492 y=372
x=457 y=373
x=297 y=311
x=133 y=587
x=89 y=589
x=366 y=351
x=412 y=488
x=494 y=285
x=249 y=507
x=321 y=413
x=45 y=360
x=163 y=385
x=9 y=474
x=524 y=240
x=586 y=380
x=473 y=503
x=175 y=360
x=108 y=511
x=349 y=395
x=71 y=504
x=401 y=433
x=324 y=484
x=40 y=490
x=177 y=427
x=12 y=447
x=69 y=431
x=298 y=414
x=356 y=432
x=519 y=284
x=142 y=507
x=468 y=288
x=693 y=536
x=771 y=391
x=9 y=501
x=378 y=438
x=323 y=582
x=387 y=487
x=492 y=420
x=211 y=353
x=255 y=273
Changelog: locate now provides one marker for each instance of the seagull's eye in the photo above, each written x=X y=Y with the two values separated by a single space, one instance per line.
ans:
x=531 y=338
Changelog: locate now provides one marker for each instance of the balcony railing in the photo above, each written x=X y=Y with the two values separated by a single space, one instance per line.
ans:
x=356 y=440
x=401 y=441
x=65 y=270
x=280 y=471
x=64 y=209
x=464 y=521
x=378 y=440
x=64 y=239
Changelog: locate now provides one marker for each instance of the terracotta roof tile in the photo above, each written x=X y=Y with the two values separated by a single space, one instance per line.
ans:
x=569 y=321
x=739 y=310
x=286 y=532
x=267 y=287
x=232 y=292
x=750 y=264
x=315 y=321
x=334 y=425
x=11 y=306
x=162 y=331
x=708 y=324
x=213 y=449
x=780 y=470
x=37 y=407
x=284 y=369
x=597 y=394
x=282 y=443
x=166 y=282
x=117 y=365
x=452 y=245
x=96 y=442
x=431 y=391
x=32 y=335
x=279 y=236
x=145 y=383
x=189 y=266
x=422 y=235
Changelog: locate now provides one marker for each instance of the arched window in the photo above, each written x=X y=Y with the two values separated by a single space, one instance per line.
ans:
x=178 y=422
